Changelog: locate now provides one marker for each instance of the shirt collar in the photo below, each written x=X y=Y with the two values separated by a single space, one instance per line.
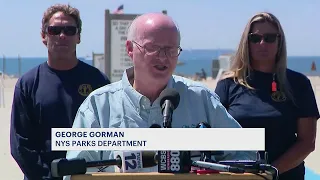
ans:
x=134 y=96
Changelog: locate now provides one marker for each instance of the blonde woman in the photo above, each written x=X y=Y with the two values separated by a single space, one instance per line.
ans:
x=260 y=92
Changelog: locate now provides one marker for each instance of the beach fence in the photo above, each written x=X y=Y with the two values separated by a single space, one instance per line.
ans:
x=10 y=67
x=2 y=103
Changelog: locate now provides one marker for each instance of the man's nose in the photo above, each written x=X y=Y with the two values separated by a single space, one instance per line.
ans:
x=162 y=54
x=62 y=35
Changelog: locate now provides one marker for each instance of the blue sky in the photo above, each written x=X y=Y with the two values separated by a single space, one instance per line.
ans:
x=204 y=24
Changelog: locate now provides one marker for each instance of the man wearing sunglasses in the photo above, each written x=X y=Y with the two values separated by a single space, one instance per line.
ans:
x=49 y=95
x=153 y=44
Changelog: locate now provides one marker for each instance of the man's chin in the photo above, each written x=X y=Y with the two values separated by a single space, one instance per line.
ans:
x=62 y=48
x=160 y=78
x=62 y=51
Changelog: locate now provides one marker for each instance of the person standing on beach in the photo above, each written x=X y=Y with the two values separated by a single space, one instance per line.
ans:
x=260 y=91
x=49 y=95
x=153 y=44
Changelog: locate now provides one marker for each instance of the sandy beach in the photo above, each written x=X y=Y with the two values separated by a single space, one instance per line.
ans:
x=10 y=170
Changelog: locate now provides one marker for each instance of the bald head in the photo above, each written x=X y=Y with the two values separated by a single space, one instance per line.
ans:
x=153 y=44
x=151 y=23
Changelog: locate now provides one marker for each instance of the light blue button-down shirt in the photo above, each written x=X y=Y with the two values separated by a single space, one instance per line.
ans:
x=119 y=105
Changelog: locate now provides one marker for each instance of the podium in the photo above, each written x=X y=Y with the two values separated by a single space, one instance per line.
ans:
x=170 y=176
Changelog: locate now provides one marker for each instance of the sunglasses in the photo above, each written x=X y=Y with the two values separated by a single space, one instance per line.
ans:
x=57 y=30
x=268 y=38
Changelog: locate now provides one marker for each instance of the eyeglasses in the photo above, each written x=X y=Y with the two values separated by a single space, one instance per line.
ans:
x=268 y=37
x=155 y=50
x=57 y=30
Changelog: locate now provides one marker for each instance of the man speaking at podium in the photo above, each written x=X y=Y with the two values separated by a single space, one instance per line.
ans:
x=153 y=44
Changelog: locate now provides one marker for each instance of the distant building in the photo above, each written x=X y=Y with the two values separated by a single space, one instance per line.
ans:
x=223 y=63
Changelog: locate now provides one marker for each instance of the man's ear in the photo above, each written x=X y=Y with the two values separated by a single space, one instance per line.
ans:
x=129 y=48
x=44 y=38
x=79 y=39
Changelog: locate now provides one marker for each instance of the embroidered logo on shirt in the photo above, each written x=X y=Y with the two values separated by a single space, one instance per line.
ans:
x=278 y=96
x=85 y=89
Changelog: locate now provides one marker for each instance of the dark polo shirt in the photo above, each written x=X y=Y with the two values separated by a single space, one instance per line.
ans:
x=278 y=115
x=45 y=98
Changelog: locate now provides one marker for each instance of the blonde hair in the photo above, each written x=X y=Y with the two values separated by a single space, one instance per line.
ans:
x=240 y=66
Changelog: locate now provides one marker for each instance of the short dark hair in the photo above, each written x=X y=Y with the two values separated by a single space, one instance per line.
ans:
x=67 y=10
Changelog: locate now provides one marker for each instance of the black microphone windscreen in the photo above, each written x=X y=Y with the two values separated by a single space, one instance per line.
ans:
x=62 y=167
x=170 y=94
x=149 y=159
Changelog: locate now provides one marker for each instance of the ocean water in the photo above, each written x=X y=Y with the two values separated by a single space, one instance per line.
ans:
x=11 y=66
x=300 y=64
x=193 y=61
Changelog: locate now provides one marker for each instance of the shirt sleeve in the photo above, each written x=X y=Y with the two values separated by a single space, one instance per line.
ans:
x=87 y=117
x=24 y=143
x=306 y=101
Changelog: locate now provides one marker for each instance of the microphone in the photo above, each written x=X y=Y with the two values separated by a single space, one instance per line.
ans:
x=169 y=101
x=249 y=165
x=133 y=161
x=180 y=162
x=64 y=167
x=253 y=167
x=218 y=167
x=173 y=161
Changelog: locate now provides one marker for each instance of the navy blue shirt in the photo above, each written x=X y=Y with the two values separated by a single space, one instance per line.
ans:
x=257 y=109
x=45 y=98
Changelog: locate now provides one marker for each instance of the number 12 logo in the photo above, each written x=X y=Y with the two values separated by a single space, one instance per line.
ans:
x=131 y=161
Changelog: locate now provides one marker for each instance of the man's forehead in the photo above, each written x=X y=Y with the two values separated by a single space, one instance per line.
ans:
x=156 y=27
x=152 y=24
